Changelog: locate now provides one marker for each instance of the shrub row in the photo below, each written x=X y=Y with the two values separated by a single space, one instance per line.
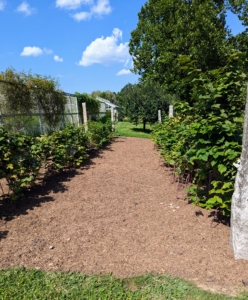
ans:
x=203 y=141
x=22 y=157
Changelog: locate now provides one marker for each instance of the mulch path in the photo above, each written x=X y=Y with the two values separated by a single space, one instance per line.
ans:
x=119 y=213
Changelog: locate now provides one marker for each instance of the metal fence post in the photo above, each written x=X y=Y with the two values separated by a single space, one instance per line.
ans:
x=78 y=117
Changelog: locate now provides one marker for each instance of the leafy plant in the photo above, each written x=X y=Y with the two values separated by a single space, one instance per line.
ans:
x=204 y=141
x=22 y=93
x=100 y=132
x=22 y=156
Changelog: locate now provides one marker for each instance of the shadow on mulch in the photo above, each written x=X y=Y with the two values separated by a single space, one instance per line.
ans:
x=38 y=194
x=218 y=218
x=93 y=153
x=216 y=215
x=3 y=234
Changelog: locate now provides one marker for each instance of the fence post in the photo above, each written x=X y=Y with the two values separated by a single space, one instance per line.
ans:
x=70 y=104
x=171 y=111
x=85 y=116
x=112 y=118
x=1 y=119
x=159 y=116
x=78 y=118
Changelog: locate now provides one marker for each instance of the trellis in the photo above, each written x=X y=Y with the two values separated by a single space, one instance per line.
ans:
x=33 y=122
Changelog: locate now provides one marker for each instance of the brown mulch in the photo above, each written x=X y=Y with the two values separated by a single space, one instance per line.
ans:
x=119 y=213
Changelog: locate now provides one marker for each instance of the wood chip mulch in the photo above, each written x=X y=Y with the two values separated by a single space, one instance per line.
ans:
x=120 y=213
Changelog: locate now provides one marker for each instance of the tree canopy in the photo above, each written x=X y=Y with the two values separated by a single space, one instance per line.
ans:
x=196 y=28
x=141 y=102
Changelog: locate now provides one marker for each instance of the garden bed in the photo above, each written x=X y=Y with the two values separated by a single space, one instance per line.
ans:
x=120 y=213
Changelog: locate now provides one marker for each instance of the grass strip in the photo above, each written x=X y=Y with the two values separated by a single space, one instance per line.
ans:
x=129 y=129
x=27 y=284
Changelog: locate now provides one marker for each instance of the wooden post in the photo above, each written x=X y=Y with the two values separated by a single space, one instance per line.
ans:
x=112 y=118
x=171 y=111
x=85 y=116
x=159 y=116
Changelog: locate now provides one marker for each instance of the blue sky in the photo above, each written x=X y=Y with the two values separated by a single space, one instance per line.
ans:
x=84 y=43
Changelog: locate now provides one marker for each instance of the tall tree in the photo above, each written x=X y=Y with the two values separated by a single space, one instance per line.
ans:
x=141 y=102
x=168 y=29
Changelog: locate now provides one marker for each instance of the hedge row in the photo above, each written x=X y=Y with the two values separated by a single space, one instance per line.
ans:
x=23 y=157
x=203 y=141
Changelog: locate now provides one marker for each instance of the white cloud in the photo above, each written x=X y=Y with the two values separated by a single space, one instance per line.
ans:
x=35 y=51
x=101 y=8
x=25 y=8
x=97 y=8
x=123 y=72
x=72 y=4
x=57 y=58
x=82 y=16
x=31 y=51
x=106 y=50
x=47 y=51
x=2 y=4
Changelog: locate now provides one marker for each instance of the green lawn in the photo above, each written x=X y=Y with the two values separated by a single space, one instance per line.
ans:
x=33 y=284
x=129 y=129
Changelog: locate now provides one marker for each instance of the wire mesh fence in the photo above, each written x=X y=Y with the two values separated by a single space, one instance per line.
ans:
x=31 y=117
x=98 y=116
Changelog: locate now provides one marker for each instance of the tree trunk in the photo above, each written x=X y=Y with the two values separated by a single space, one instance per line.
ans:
x=239 y=211
x=144 y=126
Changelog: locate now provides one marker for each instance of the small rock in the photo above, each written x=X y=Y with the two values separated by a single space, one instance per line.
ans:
x=70 y=238
x=51 y=247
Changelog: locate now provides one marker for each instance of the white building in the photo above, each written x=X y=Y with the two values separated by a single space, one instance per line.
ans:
x=106 y=105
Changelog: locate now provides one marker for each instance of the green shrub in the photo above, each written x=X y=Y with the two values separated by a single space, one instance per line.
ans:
x=21 y=156
x=99 y=132
x=203 y=141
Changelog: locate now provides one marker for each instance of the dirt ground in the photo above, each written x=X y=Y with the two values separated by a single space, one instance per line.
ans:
x=119 y=213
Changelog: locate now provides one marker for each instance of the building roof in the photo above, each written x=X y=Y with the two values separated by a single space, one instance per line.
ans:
x=106 y=102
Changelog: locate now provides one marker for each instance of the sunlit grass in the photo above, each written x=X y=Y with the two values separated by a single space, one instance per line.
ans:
x=129 y=129
x=27 y=284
